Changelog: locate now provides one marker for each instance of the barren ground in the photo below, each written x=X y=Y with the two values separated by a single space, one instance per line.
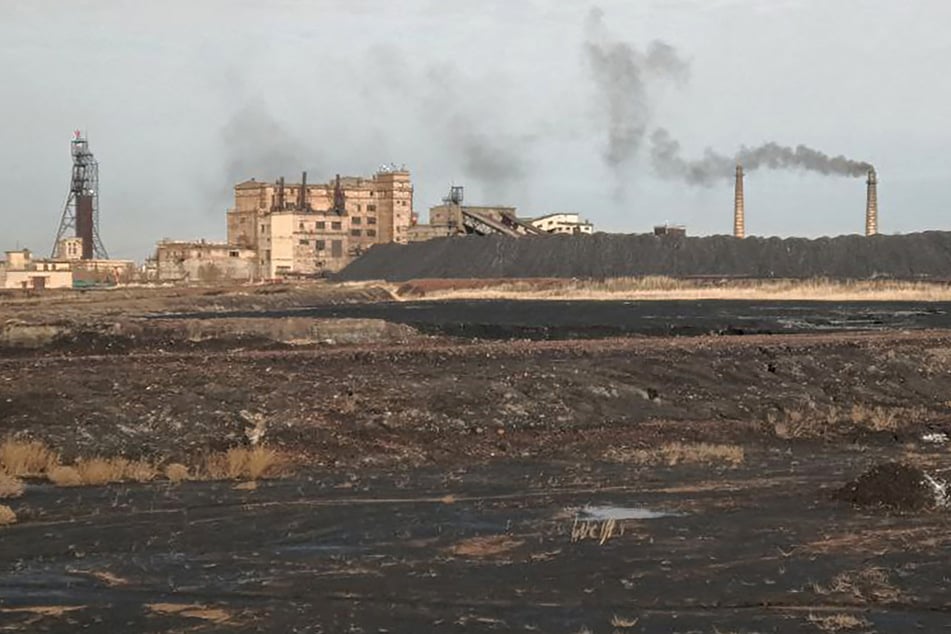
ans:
x=441 y=482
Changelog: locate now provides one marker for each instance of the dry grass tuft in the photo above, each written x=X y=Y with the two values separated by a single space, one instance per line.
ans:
x=623 y=624
x=99 y=471
x=839 y=622
x=176 y=472
x=64 y=476
x=489 y=546
x=26 y=458
x=193 y=611
x=10 y=486
x=140 y=471
x=600 y=531
x=875 y=418
x=814 y=421
x=240 y=462
x=677 y=453
x=869 y=585
x=7 y=516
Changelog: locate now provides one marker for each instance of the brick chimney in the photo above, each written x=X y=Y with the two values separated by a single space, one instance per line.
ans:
x=739 y=206
x=871 y=204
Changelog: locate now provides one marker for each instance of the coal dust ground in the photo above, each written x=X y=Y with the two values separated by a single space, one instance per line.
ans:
x=549 y=319
x=446 y=484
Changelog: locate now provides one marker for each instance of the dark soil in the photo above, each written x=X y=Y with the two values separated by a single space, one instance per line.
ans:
x=912 y=256
x=894 y=485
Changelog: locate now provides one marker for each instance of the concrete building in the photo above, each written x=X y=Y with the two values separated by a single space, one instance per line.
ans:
x=301 y=229
x=21 y=271
x=563 y=223
x=203 y=262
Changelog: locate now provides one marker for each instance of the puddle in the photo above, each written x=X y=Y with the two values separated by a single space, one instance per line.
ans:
x=622 y=513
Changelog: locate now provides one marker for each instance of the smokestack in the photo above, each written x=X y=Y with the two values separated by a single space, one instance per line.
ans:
x=280 y=193
x=871 y=204
x=302 y=198
x=739 y=206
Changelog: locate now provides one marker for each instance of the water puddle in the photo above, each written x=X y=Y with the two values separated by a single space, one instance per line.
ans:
x=603 y=513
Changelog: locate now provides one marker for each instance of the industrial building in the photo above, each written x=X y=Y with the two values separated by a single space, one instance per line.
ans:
x=570 y=223
x=281 y=229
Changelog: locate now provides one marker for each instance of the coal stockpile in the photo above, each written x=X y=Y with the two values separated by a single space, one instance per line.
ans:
x=913 y=256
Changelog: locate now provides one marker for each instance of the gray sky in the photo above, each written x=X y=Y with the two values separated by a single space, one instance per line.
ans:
x=182 y=99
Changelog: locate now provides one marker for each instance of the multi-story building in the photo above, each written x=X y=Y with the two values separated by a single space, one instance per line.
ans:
x=310 y=229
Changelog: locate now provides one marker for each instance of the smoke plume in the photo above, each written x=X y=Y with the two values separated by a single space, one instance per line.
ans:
x=620 y=73
x=668 y=161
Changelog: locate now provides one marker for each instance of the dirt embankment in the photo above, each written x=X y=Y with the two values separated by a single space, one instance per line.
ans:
x=912 y=256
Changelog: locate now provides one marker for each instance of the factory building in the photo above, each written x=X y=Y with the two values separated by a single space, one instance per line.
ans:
x=281 y=229
x=563 y=223
x=312 y=229
x=21 y=271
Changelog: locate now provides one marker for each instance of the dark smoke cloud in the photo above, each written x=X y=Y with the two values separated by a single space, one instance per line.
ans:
x=669 y=163
x=620 y=72
x=257 y=145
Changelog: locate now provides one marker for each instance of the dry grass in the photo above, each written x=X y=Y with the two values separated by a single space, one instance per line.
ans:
x=623 y=624
x=7 y=516
x=99 y=471
x=193 y=611
x=10 y=486
x=869 y=585
x=64 y=476
x=176 y=472
x=839 y=622
x=490 y=546
x=677 y=453
x=814 y=421
x=668 y=288
x=240 y=462
x=30 y=458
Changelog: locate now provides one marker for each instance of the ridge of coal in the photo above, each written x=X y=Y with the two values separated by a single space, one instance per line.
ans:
x=912 y=256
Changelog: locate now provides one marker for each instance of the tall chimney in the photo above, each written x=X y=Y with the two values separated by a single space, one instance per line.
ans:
x=739 y=206
x=302 y=197
x=871 y=204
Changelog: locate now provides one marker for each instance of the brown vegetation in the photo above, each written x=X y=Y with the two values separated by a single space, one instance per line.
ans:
x=64 y=476
x=176 y=472
x=839 y=622
x=870 y=585
x=7 y=516
x=661 y=287
x=489 y=546
x=813 y=421
x=10 y=486
x=677 y=453
x=191 y=610
x=239 y=463
x=25 y=457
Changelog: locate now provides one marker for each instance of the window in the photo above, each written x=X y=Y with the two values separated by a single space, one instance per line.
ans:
x=371 y=220
x=358 y=207
x=335 y=226
x=300 y=226
x=371 y=207
x=320 y=245
x=371 y=233
x=320 y=225
x=355 y=233
x=336 y=249
x=356 y=220
x=303 y=243
x=233 y=254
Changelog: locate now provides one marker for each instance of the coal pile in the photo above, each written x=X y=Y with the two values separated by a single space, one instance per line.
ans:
x=913 y=256
x=896 y=486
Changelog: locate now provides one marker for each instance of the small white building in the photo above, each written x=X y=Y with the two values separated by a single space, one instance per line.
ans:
x=563 y=223
x=21 y=271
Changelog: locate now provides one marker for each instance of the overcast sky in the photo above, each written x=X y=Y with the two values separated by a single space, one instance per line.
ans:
x=181 y=99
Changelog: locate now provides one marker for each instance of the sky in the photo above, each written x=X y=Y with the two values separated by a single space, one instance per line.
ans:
x=541 y=104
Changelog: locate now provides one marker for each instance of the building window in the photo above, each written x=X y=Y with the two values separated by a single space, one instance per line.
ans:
x=320 y=245
x=371 y=207
x=355 y=233
x=356 y=220
x=300 y=226
x=371 y=233
x=358 y=207
x=320 y=225
x=371 y=220
x=233 y=254
x=335 y=226
x=303 y=243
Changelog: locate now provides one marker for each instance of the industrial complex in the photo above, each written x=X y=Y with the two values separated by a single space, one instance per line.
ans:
x=296 y=230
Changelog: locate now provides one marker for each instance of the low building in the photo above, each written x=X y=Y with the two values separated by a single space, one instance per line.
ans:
x=563 y=223
x=674 y=231
x=202 y=262
x=21 y=271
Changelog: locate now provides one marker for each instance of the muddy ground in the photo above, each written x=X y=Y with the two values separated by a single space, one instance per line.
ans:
x=442 y=483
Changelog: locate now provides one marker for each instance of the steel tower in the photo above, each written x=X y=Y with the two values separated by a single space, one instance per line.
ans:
x=81 y=212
